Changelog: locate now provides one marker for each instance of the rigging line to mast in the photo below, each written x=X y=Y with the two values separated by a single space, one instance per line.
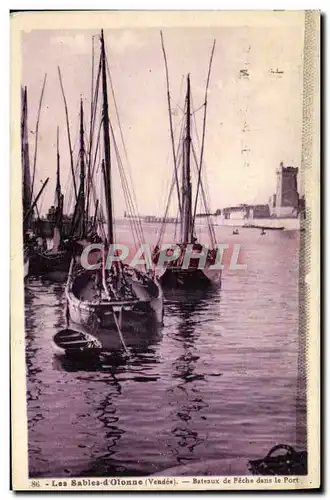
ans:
x=169 y=180
x=107 y=151
x=205 y=201
x=135 y=223
x=96 y=150
x=90 y=131
x=179 y=158
x=177 y=126
x=68 y=132
x=204 y=172
x=204 y=129
x=100 y=208
x=94 y=103
x=196 y=110
x=36 y=134
x=70 y=204
x=132 y=223
x=171 y=122
x=123 y=143
x=210 y=226
x=163 y=226
x=177 y=105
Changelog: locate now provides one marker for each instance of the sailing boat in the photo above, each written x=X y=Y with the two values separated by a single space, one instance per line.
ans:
x=28 y=204
x=119 y=297
x=27 y=195
x=57 y=260
x=182 y=272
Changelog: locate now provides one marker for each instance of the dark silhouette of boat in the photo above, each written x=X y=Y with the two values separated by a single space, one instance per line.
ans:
x=177 y=271
x=265 y=228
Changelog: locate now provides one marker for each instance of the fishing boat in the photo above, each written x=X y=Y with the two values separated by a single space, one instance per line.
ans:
x=115 y=298
x=181 y=272
x=27 y=195
x=58 y=258
x=264 y=228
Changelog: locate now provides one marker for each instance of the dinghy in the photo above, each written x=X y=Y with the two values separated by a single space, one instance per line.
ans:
x=57 y=259
x=74 y=342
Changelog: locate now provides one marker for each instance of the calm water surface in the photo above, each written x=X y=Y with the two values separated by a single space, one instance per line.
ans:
x=218 y=381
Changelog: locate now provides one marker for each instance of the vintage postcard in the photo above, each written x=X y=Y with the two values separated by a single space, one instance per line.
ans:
x=165 y=251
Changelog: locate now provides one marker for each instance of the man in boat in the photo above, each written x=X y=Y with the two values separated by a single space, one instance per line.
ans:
x=196 y=245
x=155 y=255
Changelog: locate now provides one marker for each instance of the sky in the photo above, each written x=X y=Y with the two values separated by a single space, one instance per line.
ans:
x=262 y=114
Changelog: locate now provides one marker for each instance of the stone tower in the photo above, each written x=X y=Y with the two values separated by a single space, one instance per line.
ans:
x=287 y=197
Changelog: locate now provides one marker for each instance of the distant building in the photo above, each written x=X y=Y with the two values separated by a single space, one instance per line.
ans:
x=238 y=212
x=285 y=202
x=259 y=212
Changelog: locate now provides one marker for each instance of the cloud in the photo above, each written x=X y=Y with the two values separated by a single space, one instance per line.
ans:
x=118 y=43
x=79 y=43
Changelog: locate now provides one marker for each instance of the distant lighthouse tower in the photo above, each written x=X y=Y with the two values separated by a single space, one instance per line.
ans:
x=287 y=196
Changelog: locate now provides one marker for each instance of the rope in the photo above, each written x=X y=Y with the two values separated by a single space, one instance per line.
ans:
x=179 y=154
x=120 y=333
x=134 y=204
x=204 y=180
x=171 y=121
x=203 y=136
x=36 y=135
x=210 y=225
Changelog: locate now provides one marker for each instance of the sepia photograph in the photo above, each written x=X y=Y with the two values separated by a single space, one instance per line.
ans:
x=164 y=191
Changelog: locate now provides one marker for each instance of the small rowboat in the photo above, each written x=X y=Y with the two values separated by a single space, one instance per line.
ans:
x=73 y=341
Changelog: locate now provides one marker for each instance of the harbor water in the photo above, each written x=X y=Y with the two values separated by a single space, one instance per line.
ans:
x=222 y=380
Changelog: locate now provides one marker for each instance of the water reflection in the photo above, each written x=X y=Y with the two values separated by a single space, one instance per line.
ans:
x=103 y=376
x=181 y=395
x=106 y=413
x=31 y=356
x=186 y=396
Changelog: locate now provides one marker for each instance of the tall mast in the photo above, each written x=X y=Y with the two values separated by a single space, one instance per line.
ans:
x=27 y=193
x=186 y=215
x=82 y=169
x=106 y=137
x=58 y=181
x=59 y=195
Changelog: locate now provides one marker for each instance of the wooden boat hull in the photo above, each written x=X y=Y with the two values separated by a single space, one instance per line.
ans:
x=177 y=277
x=42 y=263
x=76 y=342
x=102 y=318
